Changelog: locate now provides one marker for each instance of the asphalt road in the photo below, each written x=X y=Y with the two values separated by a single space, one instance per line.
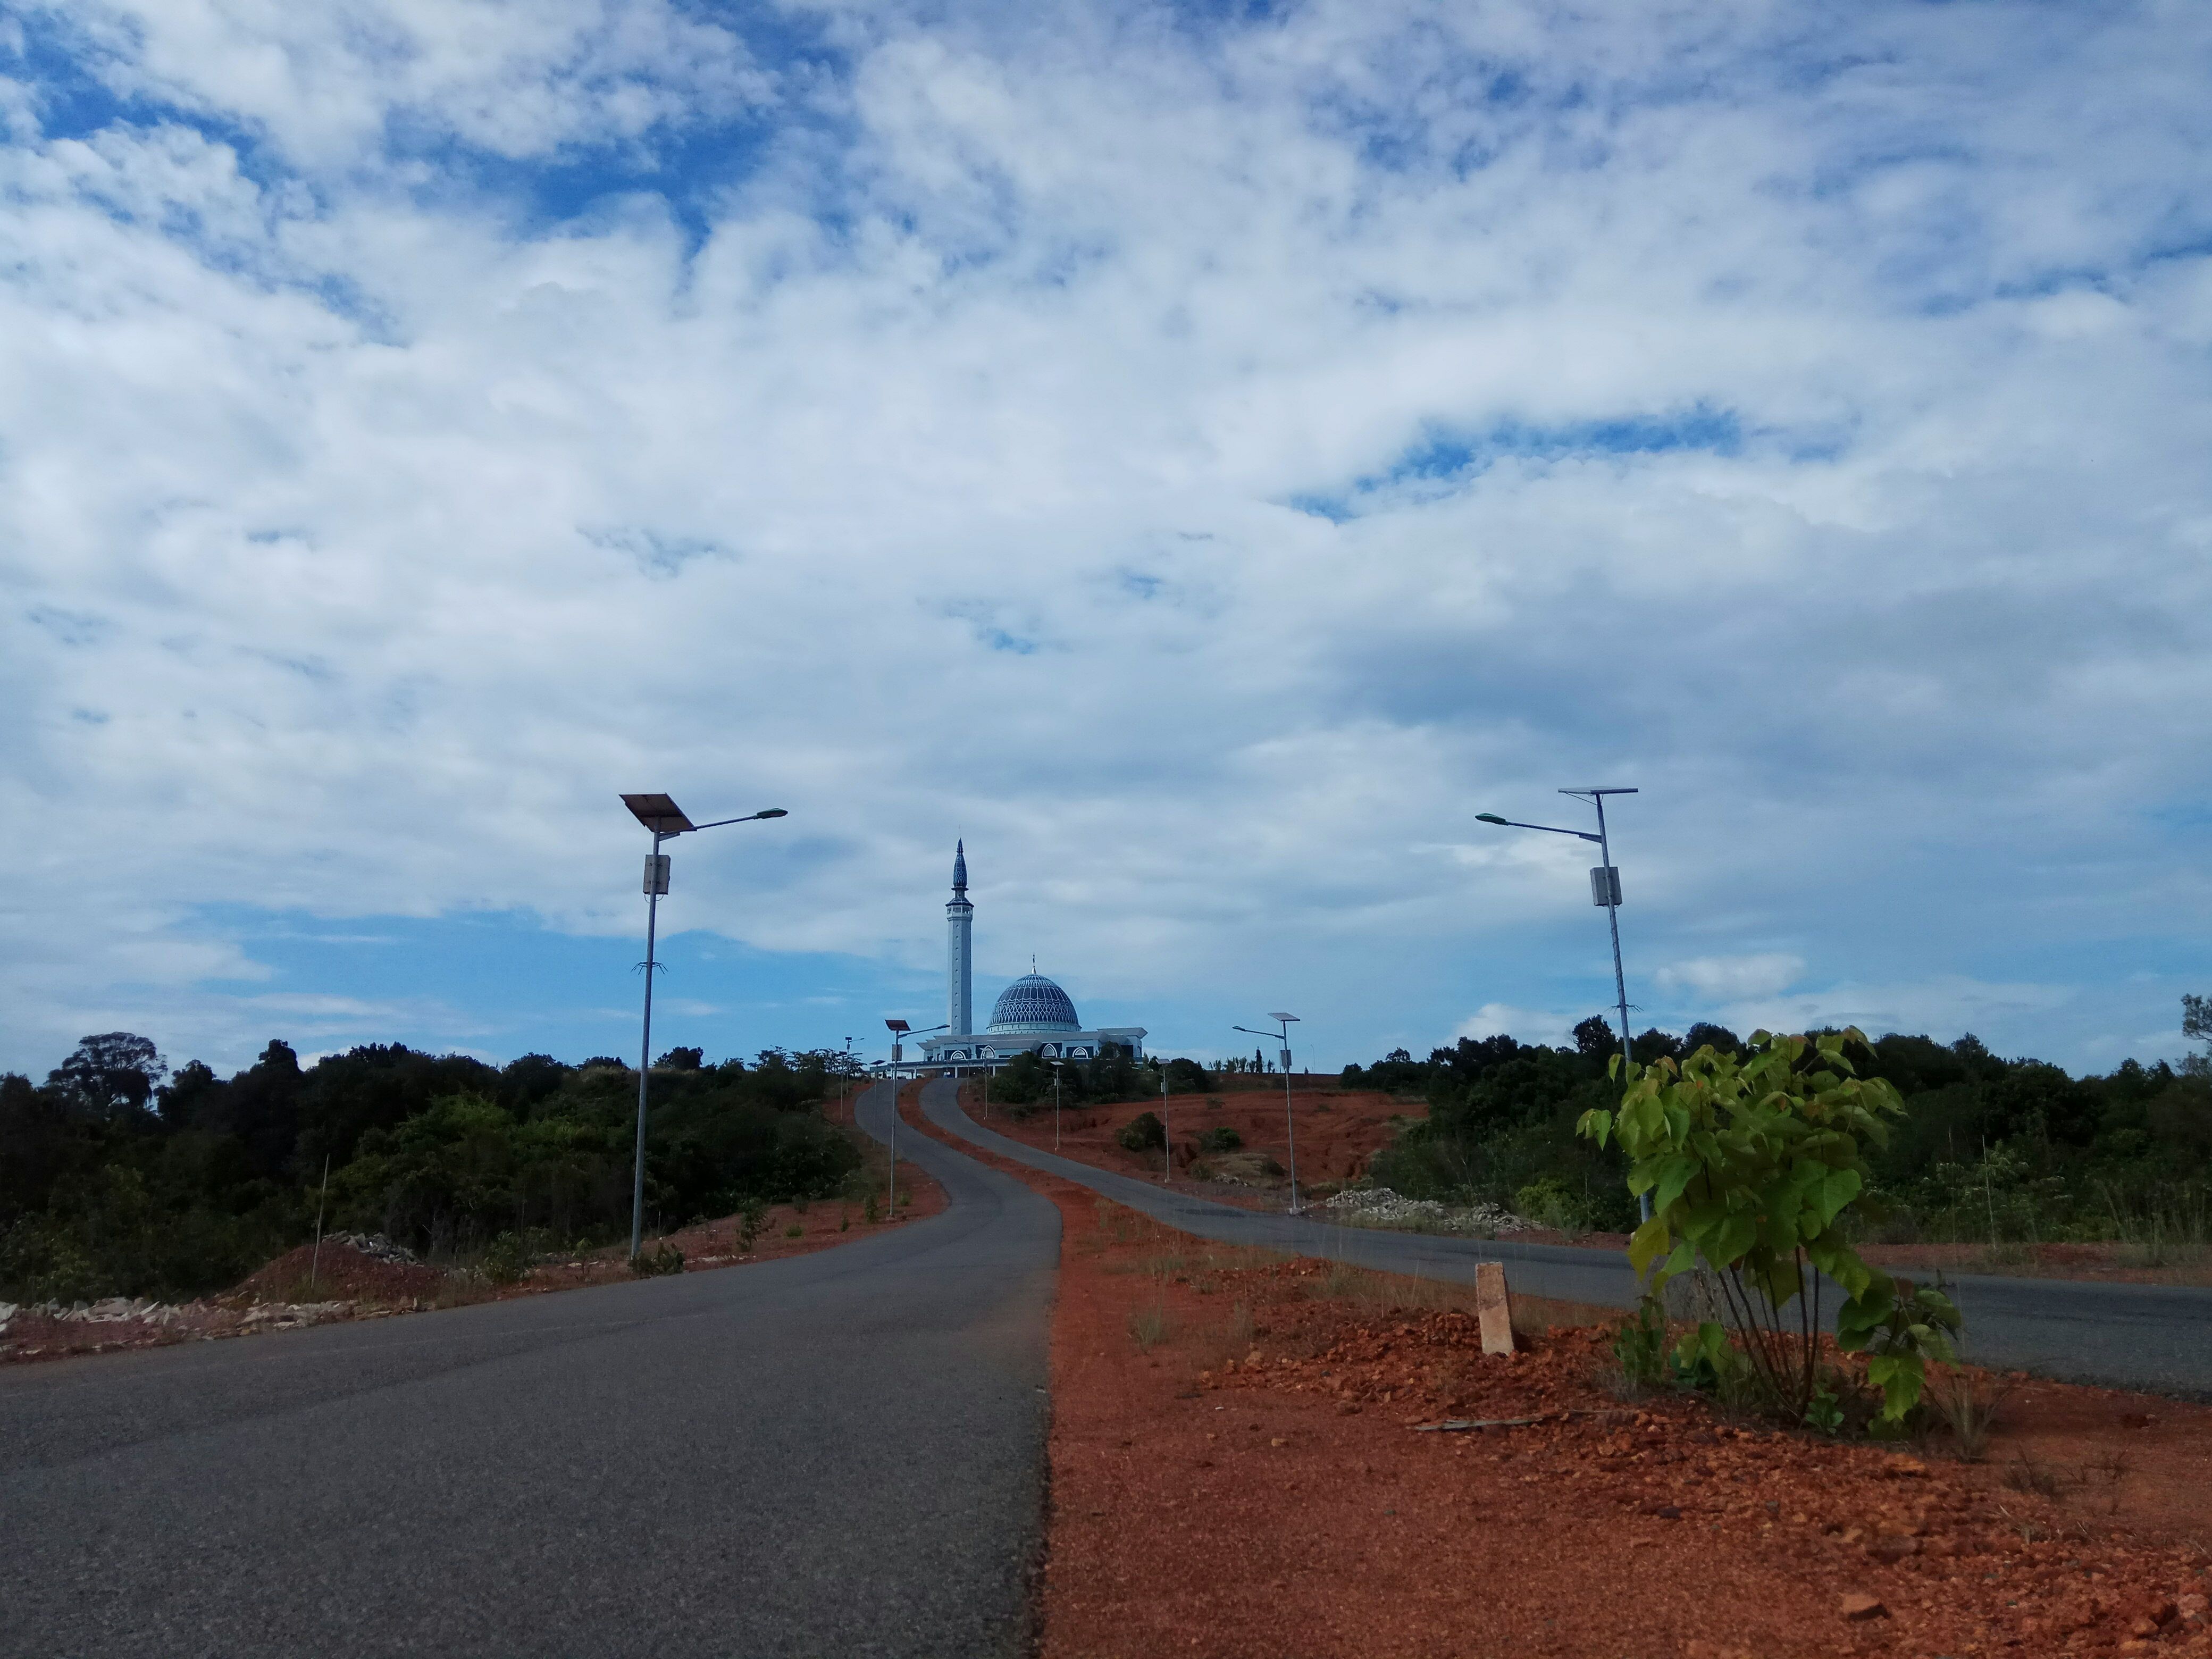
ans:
x=2155 y=1337
x=841 y=1454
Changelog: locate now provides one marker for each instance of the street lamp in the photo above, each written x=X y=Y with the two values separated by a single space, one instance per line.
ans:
x=1605 y=890
x=900 y=1031
x=665 y=819
x=1290 y=1123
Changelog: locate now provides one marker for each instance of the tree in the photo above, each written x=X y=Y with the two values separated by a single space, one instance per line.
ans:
x=1752 y=1164
x=2197 y=1026
x=114 y=1072
x=1594 y=1038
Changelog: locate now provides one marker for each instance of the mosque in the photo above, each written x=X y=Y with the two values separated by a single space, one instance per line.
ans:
x=1032 y=1014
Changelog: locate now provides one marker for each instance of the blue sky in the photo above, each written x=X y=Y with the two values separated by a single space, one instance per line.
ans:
x=1202 y=455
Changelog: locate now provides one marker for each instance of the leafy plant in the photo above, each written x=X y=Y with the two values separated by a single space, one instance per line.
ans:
x=750 y=1221
x=797 y=1230
x=1143 y=1132
x=664 y=1258
x=1221 y=1138
x=870 y=1209
x=1639 y=1348
x=508 y=1260
x=1750 y=1161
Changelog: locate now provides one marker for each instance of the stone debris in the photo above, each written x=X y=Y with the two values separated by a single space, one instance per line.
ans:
x=284 y=1315
x=1378 y=1206
x=375 y=1246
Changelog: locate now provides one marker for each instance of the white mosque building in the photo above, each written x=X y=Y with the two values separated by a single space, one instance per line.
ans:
x=1032 y=1015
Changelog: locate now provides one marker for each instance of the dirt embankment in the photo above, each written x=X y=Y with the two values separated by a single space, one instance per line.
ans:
x=1337 y=1130
x=1239 y=1469
x=307 y=1287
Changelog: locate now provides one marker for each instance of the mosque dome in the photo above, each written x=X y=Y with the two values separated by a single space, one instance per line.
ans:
x=1034 y=1003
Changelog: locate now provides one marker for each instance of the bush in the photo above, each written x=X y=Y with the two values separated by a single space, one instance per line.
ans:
x=1143 y=1132
x=1219 y=1139
x=797 y=1230
x=1187 y=1077
x=750 y=1221
x=508 y=1260
x=654 y=1263
x=1752 y=1163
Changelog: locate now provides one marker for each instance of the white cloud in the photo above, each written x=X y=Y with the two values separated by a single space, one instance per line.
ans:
x=1715 y=979
x=1824 y=455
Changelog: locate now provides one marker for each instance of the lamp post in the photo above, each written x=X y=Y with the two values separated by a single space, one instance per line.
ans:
x=1605 y=890
x=665 y=819
x=900 y=1031
x=1167 y=1146
x=1290 y=1123
x=1057 y=1066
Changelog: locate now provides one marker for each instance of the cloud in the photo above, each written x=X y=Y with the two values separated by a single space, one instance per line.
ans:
x=1732 y=978
x=433 y=421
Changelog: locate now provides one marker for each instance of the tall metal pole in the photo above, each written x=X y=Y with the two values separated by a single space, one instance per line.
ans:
x=1620 y=979
x=891 y=1212
x=1290 y=1119
x=645 y=1055
x=1056 y=1104
x=1167 y=1146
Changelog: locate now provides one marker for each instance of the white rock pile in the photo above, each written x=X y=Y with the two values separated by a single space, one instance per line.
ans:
x=1378 y=1206
x=375 y=1245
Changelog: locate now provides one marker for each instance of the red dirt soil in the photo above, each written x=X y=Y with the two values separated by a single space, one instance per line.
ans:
x=1286 y=1503
x=1338 y=1131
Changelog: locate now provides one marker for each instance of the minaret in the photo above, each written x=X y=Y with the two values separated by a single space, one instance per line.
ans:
x=959 y=960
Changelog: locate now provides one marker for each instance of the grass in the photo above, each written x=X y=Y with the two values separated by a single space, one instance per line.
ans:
x=1149 y=1327
x=1968 y=1406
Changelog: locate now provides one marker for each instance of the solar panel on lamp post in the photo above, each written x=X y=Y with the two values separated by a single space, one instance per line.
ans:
x=1605 y=890
x=665 y=819
x=1290 y=1123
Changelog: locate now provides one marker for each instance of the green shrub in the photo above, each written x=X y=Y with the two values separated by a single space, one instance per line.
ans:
x=750 y=1221
x=795 y=1231
x=508 y=1260
x=1221 y=1138
x=654 y=1263
x=1143 y=1132
x=1753 y=1163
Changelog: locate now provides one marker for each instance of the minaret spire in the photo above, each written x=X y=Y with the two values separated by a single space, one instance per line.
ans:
x=959 y=960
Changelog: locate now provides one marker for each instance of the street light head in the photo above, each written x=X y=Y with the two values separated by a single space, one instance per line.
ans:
x=1288 y=1019
x=1488 y=817
x=772 y=812
x=898 y=1025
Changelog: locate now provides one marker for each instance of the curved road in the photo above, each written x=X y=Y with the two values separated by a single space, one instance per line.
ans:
x=2157 y=1337
x=842 y=1453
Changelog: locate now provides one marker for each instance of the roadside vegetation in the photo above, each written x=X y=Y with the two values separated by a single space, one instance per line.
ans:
x=2001 y=1153
x=1025 y=1085
x=119 y=1178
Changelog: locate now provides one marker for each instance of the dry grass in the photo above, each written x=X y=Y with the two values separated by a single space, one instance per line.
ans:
x=1149 y=1327
x=1968 y=1405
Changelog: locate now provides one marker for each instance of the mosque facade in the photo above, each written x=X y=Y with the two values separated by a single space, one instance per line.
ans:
x=1031 y=1016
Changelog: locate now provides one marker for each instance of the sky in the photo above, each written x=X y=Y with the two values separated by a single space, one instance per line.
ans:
x=1201 y=455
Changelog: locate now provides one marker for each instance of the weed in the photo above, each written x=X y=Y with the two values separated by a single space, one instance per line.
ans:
x=1967 y=1406
x=651 y=1264
x=2026 y=1474
x=1149 y=1327
x=750 y=1221
x=844 y=1222
x=508 y=1260
x=795 y=1231
x=870 y=1210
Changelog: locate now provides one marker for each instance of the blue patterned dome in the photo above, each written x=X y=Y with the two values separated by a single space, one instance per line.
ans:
x=1034 y=1003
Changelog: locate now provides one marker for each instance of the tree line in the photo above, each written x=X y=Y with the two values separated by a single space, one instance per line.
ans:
x=119 y=1178
x=1989 y=1149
